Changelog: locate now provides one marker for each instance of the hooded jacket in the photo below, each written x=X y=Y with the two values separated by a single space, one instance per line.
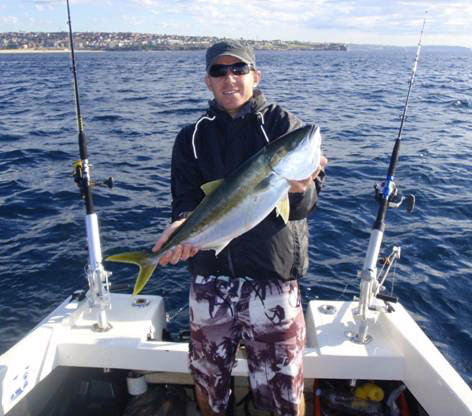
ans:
x=212 y=148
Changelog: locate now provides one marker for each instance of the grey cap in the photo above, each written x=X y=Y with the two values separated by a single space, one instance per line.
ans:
x=234 y=48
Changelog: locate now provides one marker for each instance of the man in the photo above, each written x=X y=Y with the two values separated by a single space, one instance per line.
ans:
x=249 y=291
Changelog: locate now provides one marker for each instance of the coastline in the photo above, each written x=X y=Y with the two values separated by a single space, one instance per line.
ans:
x=21 y=51
x=41 y=50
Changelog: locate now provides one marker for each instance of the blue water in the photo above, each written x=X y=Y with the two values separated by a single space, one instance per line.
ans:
x=133 y=105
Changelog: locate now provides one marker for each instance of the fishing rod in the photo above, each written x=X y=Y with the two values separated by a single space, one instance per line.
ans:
x=97 y=277
x=82 y=168
x=387 y=197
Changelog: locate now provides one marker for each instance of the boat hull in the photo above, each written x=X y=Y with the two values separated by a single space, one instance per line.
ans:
x=67 y=338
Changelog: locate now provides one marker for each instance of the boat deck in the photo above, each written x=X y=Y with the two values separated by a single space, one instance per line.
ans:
x=398 y=350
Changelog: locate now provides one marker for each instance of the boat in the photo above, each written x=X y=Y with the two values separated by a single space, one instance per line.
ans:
x=107 y=353
x=68 y=348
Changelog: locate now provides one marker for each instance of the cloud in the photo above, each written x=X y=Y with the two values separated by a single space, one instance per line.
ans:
x=44 y=6
x=60 y=3
x=9 y=20
x=276 y=12
x=279 y=16
x=133 y=21
x=365 y=21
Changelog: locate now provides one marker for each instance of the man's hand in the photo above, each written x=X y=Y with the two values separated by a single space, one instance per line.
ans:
x=178 y=253
x=301 y=186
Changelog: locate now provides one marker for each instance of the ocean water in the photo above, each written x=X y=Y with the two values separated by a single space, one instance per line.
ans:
x=133 y=105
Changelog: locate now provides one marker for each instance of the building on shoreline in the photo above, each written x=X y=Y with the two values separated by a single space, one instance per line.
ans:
x=123 y=41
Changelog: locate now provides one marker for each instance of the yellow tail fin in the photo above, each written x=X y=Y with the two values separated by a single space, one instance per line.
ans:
x=145 y=260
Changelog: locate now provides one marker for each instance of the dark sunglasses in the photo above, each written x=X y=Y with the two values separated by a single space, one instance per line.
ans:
x=220 y=70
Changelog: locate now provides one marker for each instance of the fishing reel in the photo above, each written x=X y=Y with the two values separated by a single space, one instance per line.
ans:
x=80 y=177
x=395 y=199
x=109 y=183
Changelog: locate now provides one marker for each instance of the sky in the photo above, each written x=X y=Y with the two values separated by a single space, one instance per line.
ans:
x=385 y=22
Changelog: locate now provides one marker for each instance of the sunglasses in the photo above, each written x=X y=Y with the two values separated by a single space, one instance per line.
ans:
x=220 y=70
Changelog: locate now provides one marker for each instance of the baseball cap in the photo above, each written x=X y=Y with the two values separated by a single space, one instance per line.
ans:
x=239 y=50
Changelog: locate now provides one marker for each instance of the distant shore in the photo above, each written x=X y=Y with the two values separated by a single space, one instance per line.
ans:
x=33 y=42
x=3 y=51
x=42 y=50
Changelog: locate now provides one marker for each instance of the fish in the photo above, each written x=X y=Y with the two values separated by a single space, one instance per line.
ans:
x=237 y=203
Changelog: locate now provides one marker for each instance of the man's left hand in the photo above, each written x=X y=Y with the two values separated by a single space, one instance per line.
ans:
x=301 y=186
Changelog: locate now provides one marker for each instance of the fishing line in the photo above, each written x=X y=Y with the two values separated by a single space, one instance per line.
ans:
x=97 y=276
x=82 y=169
x=394 y=278
x=387 y=196
x=171 y=316
x=389 y=188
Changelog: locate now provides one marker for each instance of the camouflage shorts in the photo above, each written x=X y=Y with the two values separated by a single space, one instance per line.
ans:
x=268 y=316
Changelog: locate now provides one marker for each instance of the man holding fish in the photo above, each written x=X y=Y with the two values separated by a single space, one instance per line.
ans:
x=240 y=199
x=253 y=279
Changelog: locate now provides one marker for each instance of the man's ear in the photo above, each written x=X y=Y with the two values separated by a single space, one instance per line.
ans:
x=257 y=77
x=207 y=82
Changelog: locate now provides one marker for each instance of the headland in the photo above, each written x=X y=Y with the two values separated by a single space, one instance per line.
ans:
x=127 y=41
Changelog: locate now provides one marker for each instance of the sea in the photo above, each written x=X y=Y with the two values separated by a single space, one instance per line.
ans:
x=134 y=103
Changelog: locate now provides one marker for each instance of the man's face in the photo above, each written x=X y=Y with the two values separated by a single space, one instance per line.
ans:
x=232 y=91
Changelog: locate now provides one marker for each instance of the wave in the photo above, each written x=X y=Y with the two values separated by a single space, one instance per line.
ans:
x=461 y=103
x=107 y=118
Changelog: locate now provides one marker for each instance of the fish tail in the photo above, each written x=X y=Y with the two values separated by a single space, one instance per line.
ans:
x=145 y=260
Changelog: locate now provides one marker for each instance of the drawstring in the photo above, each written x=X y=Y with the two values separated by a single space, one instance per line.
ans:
x=261 y=118
x=195 y=133
x=259 y=115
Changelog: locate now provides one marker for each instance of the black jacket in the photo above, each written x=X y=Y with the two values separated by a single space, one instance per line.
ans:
x=211 y=149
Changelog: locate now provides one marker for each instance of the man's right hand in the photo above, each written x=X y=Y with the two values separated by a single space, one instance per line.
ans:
x=178 y=253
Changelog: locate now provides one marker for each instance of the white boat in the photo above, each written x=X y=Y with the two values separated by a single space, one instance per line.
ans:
x=77 y=359
x=33 y=370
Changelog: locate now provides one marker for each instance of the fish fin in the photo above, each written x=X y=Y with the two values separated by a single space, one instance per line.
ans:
x=209 y=187
x=218 y=249
x=147 y=264
x=283 y=208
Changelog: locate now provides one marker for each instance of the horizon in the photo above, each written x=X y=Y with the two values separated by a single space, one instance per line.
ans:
x=362 y=22
x=260 y=40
